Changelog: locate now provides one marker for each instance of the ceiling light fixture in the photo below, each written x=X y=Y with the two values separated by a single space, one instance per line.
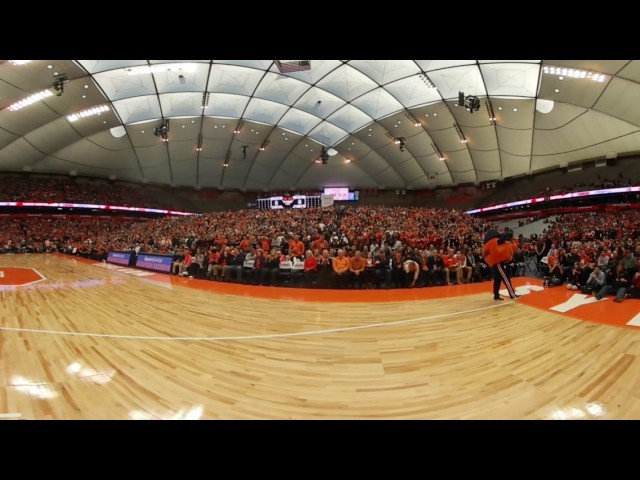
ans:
x=89 y=112
x=25 y=102
x=264 y=146
x=574 y=73
x=438 y=152
x=492 y=116
x=412 y=119
x=205 y=100
x=463 y=139
x=20 y=62
x=426 y=81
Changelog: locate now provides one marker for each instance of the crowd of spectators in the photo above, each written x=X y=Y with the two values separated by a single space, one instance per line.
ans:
x=58 y=189
x=343 y=246
x=445 y=244
x=524 y=193
x=597 y=252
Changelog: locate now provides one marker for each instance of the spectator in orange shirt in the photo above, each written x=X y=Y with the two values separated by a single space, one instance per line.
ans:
x=296 y=247
x=340 y=269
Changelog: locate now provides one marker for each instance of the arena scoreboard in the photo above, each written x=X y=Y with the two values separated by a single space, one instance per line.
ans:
x=293 y=201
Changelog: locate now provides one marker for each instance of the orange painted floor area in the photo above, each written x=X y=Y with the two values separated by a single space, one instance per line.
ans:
x=605 y=311
x=17 y=276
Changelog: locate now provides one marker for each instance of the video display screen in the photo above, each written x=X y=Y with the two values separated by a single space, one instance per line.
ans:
x=119 y=258
x=155 y=262
x=338 y=193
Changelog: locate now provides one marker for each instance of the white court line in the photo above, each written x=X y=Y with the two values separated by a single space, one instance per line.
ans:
x=635 y=321
x=10 y=415
x=254 y=337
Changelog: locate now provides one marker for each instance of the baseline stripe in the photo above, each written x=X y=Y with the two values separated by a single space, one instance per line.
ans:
x=252 y=337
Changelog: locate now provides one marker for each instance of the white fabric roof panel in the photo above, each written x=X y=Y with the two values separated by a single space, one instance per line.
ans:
x=347 y=83
x=378 y=103
x=513 y=165
x=386 y=72
x=487 y=164
x=24 y=121
x=354 y=106
x=226 y=106
x=589 y=129
x=96 y=66
x=327 y=134
x=481 y=138
x=376 y=166
x=561 y=114
x=259 y=177
x=53 y=136
x=86 y=153
x=181 y=104
x=299 y=121
x=515 y=142
x=450 y=81
x=256 y=64
x=281 y=89
x=350 y=118
x=18 y=154
x=138 y=109
x=116 y=84
x=430 y=65
x=264 y=111
x=6 y=138
x=335 y=176
x=319 y=102
x=622 y=144
x=190 y=81
x=234 y=79
x=631 y=71
x=619 y=100
x=511 y=79
x=412 y=92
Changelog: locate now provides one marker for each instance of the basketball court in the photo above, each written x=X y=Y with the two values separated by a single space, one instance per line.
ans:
x=81 y=340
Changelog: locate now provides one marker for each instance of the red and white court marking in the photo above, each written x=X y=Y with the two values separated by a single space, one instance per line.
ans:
x=19 y=276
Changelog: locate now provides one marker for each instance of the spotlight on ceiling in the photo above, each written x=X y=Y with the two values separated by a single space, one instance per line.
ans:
x=162 y=131
x=58 y=84
x=470 y=102
x=324 y=156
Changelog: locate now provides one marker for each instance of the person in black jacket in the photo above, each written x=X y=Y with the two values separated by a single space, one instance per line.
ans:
x=618 y=280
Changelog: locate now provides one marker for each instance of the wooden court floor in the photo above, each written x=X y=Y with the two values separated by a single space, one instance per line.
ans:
x=85 y=342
